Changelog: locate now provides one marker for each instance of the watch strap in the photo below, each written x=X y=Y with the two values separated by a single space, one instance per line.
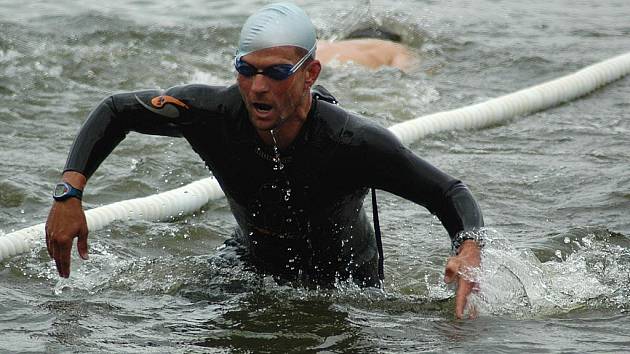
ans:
x=476 y=235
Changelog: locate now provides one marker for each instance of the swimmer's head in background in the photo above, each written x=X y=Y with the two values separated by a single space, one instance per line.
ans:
x=279 y=24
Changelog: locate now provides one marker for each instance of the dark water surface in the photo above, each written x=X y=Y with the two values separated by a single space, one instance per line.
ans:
x=554 y=186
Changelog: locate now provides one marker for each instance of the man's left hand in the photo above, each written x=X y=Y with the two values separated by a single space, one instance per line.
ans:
x=460 y=268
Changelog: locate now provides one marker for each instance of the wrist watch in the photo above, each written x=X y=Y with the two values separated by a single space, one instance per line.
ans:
x=65 y=190
x=475 y=235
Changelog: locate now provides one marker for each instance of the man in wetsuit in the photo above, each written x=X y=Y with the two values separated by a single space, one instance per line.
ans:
x=294 y=166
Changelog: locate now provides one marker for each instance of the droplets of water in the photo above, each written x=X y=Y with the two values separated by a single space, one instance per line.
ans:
x=287 y=194
x=135 y=163
x=278 y=165
x=517 y=282
x=281 y=187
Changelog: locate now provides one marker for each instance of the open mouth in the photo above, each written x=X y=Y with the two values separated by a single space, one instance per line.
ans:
x=262 y=107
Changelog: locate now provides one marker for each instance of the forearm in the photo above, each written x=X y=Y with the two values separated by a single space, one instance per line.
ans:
x=461 y=212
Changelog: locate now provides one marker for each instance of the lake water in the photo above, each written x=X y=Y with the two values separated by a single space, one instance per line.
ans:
x=554 y=186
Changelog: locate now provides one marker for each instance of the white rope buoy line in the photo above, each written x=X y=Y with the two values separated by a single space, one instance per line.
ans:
x=195 y=195
x=526 y=101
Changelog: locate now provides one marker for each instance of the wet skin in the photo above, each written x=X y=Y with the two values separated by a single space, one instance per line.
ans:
x=281 y=105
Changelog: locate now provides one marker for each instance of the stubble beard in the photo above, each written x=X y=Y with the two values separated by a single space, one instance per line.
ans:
x=285 y=117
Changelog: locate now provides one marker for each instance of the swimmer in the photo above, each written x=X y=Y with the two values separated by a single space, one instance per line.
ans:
x=369 y=52
x=294 y=165
x=369 y=47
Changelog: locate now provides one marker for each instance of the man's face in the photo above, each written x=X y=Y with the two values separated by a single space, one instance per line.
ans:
x=270 y=101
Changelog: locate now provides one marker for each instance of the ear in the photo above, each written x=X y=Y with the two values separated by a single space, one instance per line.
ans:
x=312 y=73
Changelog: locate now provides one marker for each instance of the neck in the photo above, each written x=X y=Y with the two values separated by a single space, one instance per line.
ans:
x=288 y=129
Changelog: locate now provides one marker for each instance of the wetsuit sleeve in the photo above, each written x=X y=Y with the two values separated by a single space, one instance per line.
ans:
x=149 y=112
x=394 y=168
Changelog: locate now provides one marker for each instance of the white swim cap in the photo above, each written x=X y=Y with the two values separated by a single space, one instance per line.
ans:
x=277 y=25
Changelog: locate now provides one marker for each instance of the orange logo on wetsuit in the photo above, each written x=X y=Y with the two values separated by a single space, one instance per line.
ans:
x=160 y=101
x=159 y=106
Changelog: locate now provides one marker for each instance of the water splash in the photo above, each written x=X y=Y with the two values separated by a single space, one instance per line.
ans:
x=593 y=271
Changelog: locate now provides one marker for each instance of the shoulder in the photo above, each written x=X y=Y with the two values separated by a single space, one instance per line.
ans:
x=352 y=129
x=204 y=97
x=178 y=104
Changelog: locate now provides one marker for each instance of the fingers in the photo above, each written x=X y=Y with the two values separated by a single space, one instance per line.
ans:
x=457 y=269
x=56 y=245
x=49 y=234
x=61 y=255
x=451 y=271
x=464 y=287
x=48 y=248
x=82 y=244
x=58 y=266
x=66 y=221
x=64 y=261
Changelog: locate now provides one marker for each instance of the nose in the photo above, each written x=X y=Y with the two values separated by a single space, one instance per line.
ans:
x=260 y=83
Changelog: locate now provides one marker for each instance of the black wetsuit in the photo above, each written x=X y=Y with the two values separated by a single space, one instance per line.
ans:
x=301 y=217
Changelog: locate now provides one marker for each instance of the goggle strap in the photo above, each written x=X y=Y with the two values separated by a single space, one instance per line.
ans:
x=304 y=58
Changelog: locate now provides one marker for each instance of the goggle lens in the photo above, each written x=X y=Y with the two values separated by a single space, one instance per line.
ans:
x=276 y=72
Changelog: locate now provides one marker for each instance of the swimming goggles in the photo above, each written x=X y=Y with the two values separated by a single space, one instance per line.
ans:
x=277 y=72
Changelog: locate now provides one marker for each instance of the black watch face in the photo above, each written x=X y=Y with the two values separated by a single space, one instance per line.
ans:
x=60 y=190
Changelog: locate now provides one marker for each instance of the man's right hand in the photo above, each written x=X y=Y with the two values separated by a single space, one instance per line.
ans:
x=66 y=221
